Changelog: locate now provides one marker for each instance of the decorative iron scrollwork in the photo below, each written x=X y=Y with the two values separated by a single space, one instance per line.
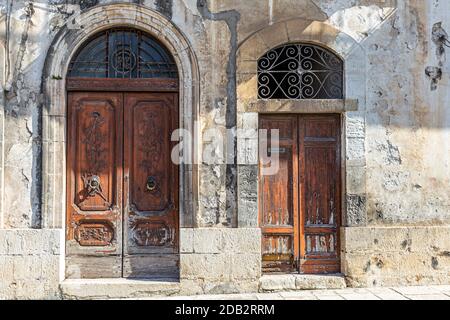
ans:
x=123 y=53
x=300 y=71
x=123 y=60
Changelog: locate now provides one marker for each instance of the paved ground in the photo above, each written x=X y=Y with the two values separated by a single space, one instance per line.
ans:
x=395 y=293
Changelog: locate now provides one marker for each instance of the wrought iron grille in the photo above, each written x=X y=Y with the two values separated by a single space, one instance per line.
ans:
x=300 y=71
x=123 y=53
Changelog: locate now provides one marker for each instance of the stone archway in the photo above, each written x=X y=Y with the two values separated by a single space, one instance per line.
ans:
x=54 y=117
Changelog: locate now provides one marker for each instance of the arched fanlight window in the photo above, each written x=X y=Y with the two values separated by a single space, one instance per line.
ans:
x=123 y=53
x=300 y=71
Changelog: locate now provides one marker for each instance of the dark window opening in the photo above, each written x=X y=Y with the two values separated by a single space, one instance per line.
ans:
x=300 y=71
x=123 y=53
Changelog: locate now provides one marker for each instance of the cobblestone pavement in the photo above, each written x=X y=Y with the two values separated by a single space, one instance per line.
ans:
x=393 y=293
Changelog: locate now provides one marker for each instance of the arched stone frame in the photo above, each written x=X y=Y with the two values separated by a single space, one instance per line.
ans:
x=351 y=107
x=64 y=46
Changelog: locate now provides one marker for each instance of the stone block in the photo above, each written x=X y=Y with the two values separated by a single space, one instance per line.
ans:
x=356 y=239
x=246 y=266
x=274 y=36
x=207 y=240
x=355 y=126
x=303 y=11
x=32 y=290
x=277 y=282
x=252 y=49
x=356 y=214
x=33 y=241
x=356 y=180
x=248 y=212
x=247 y=149
x=355 y=149
x=248 y=181
x=242 y=240
x=7 y=291
x=50 y=265
x=314 y=282
x=27 y=267
x=3 y=243
x=211 y=267
x=191 y=286
x=14 y=241
x=116 y=288
x=250 y=120
x=30 y=241
x=6 y=269
x=186 y=240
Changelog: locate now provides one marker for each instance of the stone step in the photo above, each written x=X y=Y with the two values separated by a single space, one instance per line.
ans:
x=286 y=282
x=117 y=288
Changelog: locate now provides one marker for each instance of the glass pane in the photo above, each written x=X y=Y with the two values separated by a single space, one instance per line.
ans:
x=91 y=62
x=123 y=53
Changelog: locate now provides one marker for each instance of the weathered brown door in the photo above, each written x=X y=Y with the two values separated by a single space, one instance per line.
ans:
x=300 y=204
x=150 y=186
x=122 y=187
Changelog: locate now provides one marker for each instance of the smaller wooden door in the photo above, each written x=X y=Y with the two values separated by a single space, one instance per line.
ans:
x=300 y=205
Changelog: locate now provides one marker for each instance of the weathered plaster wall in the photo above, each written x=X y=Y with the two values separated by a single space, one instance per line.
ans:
x=408 y=128
x=397 y=146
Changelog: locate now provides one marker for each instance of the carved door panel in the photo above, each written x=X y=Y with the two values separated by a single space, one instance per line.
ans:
x=278 y=200
x=300 y=205
x=150 y=185
x=94 y=185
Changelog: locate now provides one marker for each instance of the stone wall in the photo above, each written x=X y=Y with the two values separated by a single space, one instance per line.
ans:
x=221 y=259
x=396 y=135
x=389 y=256
x=29 y=264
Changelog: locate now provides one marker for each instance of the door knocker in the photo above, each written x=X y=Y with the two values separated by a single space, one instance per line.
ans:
x=93 y=186
x=151 y=184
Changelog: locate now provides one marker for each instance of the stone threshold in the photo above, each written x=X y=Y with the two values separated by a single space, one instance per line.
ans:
x=288 y=282
x=118 y=288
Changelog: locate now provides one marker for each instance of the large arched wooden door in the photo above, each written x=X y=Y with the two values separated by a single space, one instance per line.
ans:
x=122 y=187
